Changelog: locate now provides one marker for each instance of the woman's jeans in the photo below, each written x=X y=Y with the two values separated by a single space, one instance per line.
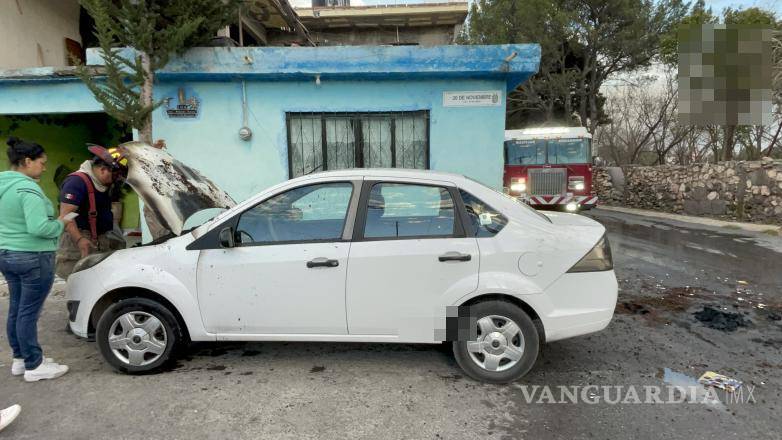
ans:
x=30 y=276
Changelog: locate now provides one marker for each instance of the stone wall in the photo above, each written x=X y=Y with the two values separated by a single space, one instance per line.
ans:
x=746 y=191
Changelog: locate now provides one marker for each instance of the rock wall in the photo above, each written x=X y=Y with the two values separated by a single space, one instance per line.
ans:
x=746 y=191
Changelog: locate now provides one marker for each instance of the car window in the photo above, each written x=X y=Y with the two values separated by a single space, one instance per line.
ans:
x=309 y=213
x=404 y=210
x=486 y=221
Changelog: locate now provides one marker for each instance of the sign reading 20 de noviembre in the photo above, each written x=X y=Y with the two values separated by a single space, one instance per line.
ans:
x=486 y=98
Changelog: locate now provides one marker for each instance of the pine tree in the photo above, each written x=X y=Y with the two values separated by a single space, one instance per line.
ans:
x=155 y=30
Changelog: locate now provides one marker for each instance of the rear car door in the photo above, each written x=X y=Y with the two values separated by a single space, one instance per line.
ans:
x=409 y=250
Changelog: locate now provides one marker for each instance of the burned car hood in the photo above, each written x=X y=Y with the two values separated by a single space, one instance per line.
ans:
x=170 y=190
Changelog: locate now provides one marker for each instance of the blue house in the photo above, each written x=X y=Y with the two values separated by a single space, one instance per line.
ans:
x=252 y=117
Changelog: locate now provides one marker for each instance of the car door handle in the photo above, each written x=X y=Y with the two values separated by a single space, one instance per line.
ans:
x=322 y=262
x=455 y=256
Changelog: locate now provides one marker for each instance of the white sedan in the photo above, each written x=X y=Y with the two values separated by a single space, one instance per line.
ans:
x=357 y=256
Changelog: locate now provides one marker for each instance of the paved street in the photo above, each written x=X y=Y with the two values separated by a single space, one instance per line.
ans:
x=667 y=271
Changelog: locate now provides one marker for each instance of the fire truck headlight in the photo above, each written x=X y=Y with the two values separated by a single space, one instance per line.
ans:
x=518 y=187
x=576 y=183
x=571 y=207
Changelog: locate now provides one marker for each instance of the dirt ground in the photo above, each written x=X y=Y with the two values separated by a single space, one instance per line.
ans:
x=692 y=299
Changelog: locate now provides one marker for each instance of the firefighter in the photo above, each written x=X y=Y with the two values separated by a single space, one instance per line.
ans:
x=87 y=193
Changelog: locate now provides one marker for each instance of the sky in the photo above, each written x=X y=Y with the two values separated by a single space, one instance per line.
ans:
x=716 y=5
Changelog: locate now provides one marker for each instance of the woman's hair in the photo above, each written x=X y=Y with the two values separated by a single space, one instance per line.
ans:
x=19 y=150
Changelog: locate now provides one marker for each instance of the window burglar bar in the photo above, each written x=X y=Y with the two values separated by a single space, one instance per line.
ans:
x=333 y=141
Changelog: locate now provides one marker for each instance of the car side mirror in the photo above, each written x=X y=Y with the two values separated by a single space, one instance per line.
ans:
x=226 y=238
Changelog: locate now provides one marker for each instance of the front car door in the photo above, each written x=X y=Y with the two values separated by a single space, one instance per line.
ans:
x=285 y=274
x=409 y=251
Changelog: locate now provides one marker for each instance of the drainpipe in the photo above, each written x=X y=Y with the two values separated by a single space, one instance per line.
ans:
x=245 y=133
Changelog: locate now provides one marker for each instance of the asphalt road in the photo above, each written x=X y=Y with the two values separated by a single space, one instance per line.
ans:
x=667 y=272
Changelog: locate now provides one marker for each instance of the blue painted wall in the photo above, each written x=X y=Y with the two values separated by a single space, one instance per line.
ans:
x=465 y=140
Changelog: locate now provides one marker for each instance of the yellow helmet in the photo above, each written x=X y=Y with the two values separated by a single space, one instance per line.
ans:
x=119 y=156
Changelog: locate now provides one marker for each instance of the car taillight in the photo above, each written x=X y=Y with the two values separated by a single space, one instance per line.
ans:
x=518 y=185
x=598 y=259
x=576 y=183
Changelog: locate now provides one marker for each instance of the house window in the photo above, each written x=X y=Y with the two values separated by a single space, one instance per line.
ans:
x=334 y=141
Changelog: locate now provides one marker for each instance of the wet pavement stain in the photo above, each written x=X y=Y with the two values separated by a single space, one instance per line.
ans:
x=216 y=368
x=772 y=343
x=317 y=369
x=630 y=308
x=690 y=254
x=248 y=353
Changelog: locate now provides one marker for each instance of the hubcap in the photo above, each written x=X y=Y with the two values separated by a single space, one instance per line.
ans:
x=137 y=338
x=500 y=344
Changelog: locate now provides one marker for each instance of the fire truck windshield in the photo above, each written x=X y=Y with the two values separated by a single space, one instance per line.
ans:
x=551 y=151
x=568 y=151
x=525 y=152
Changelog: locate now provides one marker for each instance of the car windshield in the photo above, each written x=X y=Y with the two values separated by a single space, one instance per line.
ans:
x=525 y=152
x=535 y=151
x=200 y=217
x=567 y=151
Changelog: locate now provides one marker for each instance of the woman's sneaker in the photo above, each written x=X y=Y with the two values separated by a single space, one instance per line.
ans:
x=17 y=367
x=8 y=415
x=45 y=371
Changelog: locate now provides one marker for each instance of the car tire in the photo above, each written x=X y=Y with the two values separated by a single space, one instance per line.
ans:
x=475 y=357
x=138 y=335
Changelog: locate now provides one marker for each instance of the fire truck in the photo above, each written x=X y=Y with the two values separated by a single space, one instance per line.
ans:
x=550 y=167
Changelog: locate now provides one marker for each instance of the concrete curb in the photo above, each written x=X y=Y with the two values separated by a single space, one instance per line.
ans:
x=751 y=227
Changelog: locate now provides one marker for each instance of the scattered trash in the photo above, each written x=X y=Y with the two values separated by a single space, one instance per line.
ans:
x=719 y=320
x=713 y=379
x=688 y=384
x=742 y=282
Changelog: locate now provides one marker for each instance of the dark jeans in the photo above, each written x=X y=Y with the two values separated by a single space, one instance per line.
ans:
x=30 y=276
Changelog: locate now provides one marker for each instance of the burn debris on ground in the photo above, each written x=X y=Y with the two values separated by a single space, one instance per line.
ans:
x=719 y=320
x=630 y=308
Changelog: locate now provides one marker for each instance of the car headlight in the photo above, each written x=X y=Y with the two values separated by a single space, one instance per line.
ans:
x=598 y=259
x=90 y=260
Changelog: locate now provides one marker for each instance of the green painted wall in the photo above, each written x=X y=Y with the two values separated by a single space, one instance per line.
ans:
x=64 y=136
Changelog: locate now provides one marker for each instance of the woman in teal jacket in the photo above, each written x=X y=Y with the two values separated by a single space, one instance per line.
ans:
x=28 y=238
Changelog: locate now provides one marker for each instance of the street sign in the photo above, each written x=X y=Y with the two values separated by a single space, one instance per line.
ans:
x=485 y=98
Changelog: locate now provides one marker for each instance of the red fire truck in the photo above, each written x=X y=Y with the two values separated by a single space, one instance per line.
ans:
x=550 y=167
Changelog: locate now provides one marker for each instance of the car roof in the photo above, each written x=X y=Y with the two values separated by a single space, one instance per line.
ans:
x=388 y=172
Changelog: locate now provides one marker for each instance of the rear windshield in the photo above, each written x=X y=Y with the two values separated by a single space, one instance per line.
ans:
x=515 y=200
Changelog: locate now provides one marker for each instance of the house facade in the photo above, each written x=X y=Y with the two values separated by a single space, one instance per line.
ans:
x=249 y=118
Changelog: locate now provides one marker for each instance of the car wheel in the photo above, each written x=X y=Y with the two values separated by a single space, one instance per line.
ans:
x=138 y=335
x=506 y=347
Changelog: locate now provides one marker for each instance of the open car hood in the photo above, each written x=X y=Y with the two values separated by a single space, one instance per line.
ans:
x=171 y=190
